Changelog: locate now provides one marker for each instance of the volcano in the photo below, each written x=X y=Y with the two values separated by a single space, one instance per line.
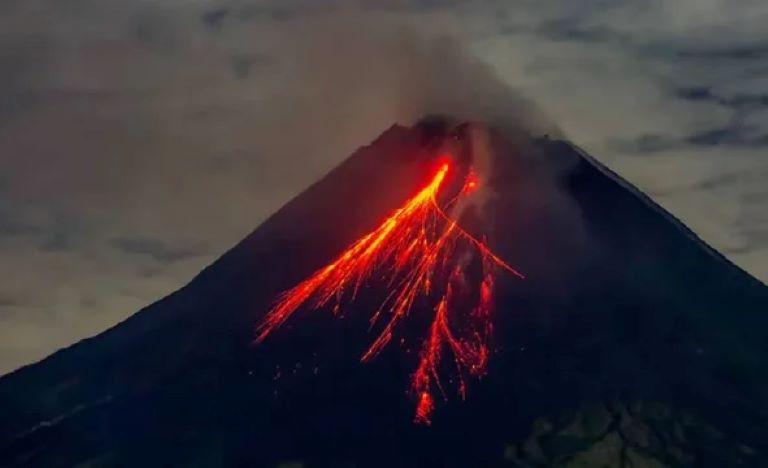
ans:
x=551 y=313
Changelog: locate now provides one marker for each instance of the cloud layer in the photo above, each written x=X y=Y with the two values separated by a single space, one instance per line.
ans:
x=139 y=140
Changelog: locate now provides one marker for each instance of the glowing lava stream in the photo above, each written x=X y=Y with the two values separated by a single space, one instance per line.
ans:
x=419 y=251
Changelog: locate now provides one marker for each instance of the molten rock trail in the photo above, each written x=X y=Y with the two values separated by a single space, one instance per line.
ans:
x=420 y=255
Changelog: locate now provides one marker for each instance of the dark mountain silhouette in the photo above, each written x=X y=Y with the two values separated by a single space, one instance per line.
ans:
x=631 y=343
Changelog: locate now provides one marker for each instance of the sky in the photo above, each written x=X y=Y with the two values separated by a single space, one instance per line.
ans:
x=140 y=140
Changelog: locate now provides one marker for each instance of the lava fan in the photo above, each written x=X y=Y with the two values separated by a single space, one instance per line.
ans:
x=418 y=255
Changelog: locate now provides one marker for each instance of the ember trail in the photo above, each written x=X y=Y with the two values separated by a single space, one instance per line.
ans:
x=420 y=253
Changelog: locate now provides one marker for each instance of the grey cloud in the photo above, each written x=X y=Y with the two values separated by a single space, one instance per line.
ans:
x=755 y=237
x=157 y=249
x=15 y=227
x=244 y=65
x=271 y=12
x=649 y=143
x=733 y=135
x=753 y=234
x=58 y=242
x=727 y=179
x=569 y=30
x=660 y=48
x=743 y=101
x=753 y=223
x=65 y=232
x=215 y=18
x=747 y=100
x=285 y=12
x=8 y=308
x=6 y=301
x=697 y=94
x=418 y=5
x=746 y=52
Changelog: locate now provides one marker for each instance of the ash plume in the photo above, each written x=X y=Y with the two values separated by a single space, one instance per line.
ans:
x=345 y=78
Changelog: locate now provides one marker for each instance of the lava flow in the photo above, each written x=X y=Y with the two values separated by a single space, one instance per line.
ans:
x=420 y=254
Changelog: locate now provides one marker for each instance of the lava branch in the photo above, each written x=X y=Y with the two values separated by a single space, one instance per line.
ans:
x=470 y=354
x=418 y=251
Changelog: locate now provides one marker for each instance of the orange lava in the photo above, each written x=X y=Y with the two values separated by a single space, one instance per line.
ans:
x=419 y=253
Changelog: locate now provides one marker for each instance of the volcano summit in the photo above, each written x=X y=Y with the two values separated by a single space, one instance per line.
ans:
x=535 y=309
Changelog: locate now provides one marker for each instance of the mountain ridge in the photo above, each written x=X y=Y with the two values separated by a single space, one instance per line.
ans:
x=632 y=310
x=661 y=210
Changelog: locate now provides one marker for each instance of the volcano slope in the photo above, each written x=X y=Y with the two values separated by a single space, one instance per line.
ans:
x=630 y=342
